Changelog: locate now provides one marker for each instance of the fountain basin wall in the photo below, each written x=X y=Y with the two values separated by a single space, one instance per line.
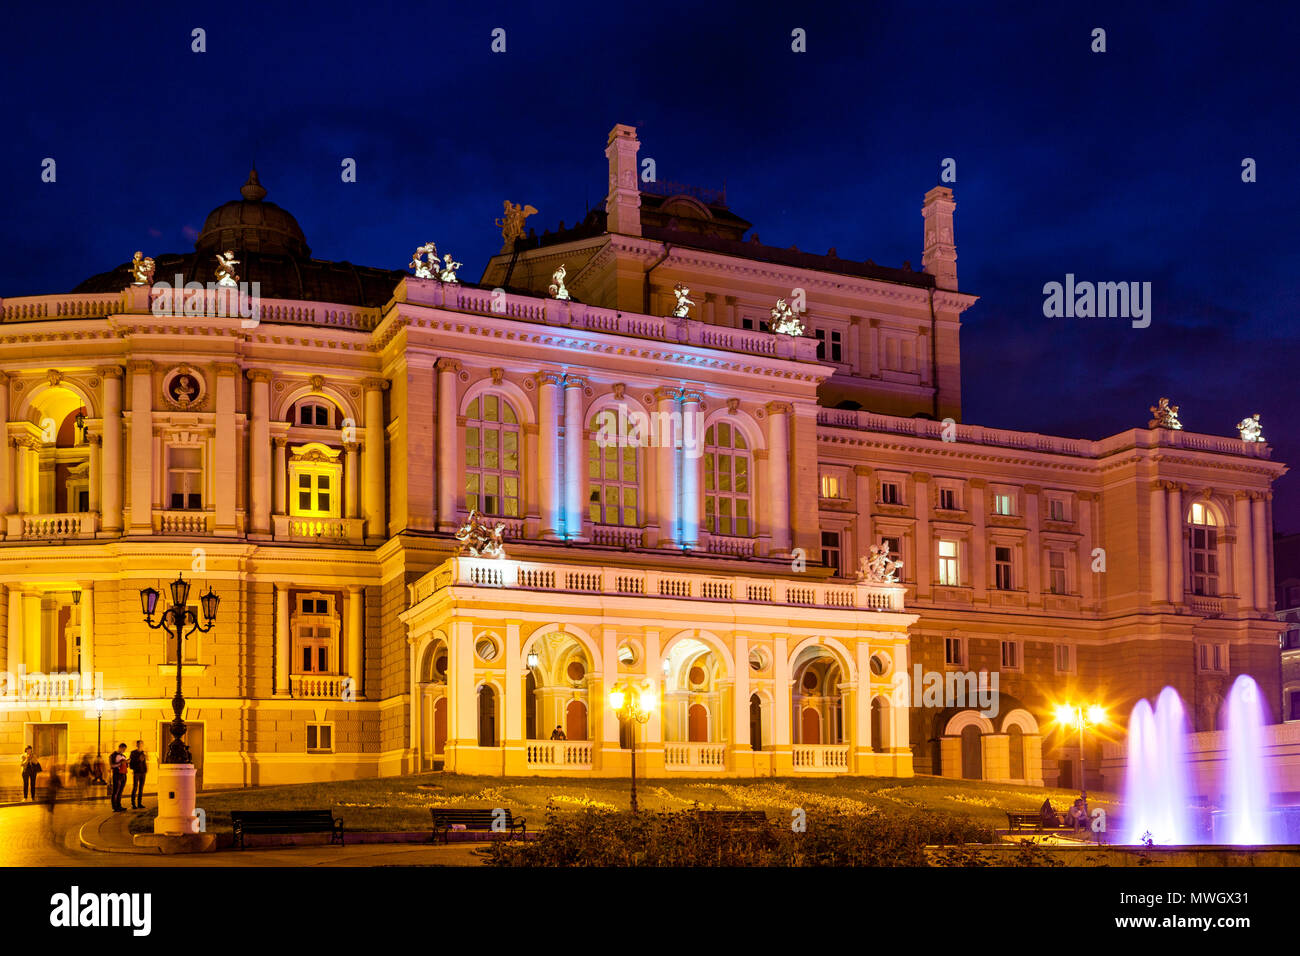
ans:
x=1207 y=757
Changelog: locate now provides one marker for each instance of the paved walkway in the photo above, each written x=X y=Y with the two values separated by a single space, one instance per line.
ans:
x=83 y=835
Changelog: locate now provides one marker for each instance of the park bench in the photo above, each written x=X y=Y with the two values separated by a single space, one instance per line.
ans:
x=1033 y=823
x=286 y=821
x=444 y=821
x=737 y=819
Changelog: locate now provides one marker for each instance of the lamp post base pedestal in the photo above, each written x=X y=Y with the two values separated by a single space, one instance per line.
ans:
x=177 y=842
x=175 y=799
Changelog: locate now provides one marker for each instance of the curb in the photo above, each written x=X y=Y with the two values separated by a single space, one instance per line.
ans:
x=93 y=826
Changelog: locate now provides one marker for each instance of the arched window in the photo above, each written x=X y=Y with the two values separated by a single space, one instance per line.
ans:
x=313 y=412
x=492 y=457
x=613 y=475
x=727 y=469
x=1203 y=550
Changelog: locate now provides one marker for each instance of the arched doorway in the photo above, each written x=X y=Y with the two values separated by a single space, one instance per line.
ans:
x=697 y=724
x=971 y=763
x=433 y=706
x=755 y=722
x=1016 y=749
x=575 y=720
x=817 y=698
x=692 y=700
x=487 y=716
x=810 y=726
x=558 y=670
x=440 y=726
x=880 y=724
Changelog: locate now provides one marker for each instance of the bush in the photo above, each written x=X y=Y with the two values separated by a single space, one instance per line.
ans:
x=695 y=838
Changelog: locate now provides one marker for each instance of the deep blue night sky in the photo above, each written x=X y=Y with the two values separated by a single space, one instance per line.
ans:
x=1122 y=166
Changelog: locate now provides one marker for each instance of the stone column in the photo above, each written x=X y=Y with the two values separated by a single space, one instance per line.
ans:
x=280 y=476
x=550 y=498
x=1033 y=546
x=778 y=474
x=1083 y=561
x=1174 y=527
x=740 y=698
x=95 y=466
x=1260 y=538
x=350 y=479
x=463 y=706
x=14 y=650
x=781 y=739
x=22 y=475
x=575 y=458
x=862 y=496
x=142 y=465
x=860 y=734
x=375 y=488
x=899 y=715
x=979 y=545
x=355 y=637
x=111 y=475
x=926 y=568
x=1243 y=552
x=512 y=704
x=283 y=641
x=86 y=610
x=1158 y=559
x=449 y=456
x=259 y=453
x=665 y=455
x=691 y=464
x=224 y=464
x=10 y=499
x=6 y=459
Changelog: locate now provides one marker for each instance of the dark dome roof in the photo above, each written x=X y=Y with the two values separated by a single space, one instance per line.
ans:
x=252 y=225
x=271 y=249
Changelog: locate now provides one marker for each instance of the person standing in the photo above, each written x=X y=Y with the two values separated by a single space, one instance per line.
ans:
x=31 y=767
x=117 y=763
x=139 y=764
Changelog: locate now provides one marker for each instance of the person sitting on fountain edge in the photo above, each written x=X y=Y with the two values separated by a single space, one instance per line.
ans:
x=1049 y=817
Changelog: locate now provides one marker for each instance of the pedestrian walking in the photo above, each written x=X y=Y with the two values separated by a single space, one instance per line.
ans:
x=118 y=765
x=31 y=767
x=139 y=764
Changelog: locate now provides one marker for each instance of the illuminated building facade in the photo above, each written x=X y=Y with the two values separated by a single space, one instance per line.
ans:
x=684 y=502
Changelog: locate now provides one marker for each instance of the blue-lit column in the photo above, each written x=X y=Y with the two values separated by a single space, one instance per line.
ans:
x=692 y=451
x=575 y=472
x=661 y=441
x=550 y=496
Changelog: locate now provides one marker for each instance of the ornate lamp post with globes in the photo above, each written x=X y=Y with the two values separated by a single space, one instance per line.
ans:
x=633 y=704
x=1080 y=717
x=176 y=771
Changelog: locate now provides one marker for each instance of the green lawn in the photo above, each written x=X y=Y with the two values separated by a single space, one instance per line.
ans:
x=402 y=803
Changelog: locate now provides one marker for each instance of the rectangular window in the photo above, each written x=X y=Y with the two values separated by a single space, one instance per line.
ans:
x=831 y=486
x=1056 y=509
x=1205 y=561
x=184 y=479
x=948 y=564
x=1002 y=568
x=1213 y=657
x=890 y=493
x=191 y=643
x=830 y=345
x=1004 y=504
x=948 y=499
x=1056 y=572
x=1011 y=654
x=1065 y=658
x=1295 y=707
x=953 y=651
x=832 y=552
x=320 y=738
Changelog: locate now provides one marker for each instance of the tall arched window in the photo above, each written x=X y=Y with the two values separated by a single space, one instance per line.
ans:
x=1203 y=550
x=613 y=475
x=492 y=457
x=727 y=489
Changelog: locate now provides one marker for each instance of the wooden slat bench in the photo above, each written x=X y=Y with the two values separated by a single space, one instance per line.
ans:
x=445 y=820
x=1033 y=823
x=286 y=821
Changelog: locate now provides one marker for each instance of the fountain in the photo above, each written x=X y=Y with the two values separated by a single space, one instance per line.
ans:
x=1246 y=819
x=1155 y=798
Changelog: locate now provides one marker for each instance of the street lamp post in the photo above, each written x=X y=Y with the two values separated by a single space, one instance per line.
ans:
x=175 y=770
x=99 y=740
x=635 y=706
x=1081 y=716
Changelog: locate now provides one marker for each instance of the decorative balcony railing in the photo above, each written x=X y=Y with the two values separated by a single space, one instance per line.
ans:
x=695 y=756
x=183 y=522
x=596 y=579
x=53 y=526
x=724 y=544
x=318 y=686
x=829 y=758
x=615 y=536
x=559 y=754
x=318 y=530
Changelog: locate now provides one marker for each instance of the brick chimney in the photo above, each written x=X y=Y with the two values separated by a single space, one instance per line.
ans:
x=623 y=202
x=939 y=257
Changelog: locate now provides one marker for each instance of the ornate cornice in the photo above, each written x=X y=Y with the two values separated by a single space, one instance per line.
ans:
x=140 y=365
x=779 y=408
x=109 y=371
x=548 y=377
x=375 y=384
x=450 y=365
x=259 y=375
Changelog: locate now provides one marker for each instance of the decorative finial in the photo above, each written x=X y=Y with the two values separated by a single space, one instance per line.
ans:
x=425 y=261
x=1250 y=428
x=878 y=567
x=449 y=267
x=142 y=268
x=252 y=190
x=557 y=289
x=226 y=274
x=512 y=223
x=1166 y=416
x=478 y=539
